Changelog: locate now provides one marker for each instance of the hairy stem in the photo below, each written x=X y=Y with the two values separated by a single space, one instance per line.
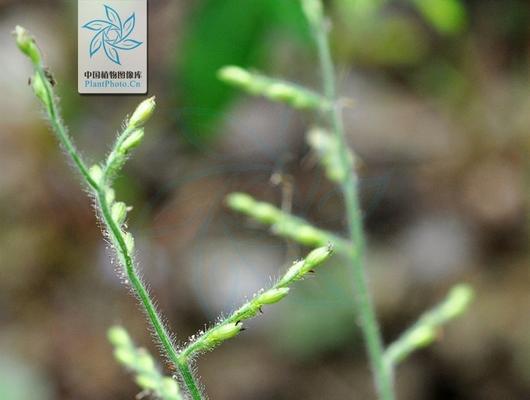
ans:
x=189 y=379
x=60 y=129
x=233 y=324
x=138 y=287
x=100 y=186
x=349 y=186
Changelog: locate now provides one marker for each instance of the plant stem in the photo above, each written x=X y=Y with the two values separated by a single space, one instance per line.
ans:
x=349 y=186
x=138 y=287
x=99 y=189
x=61 y=131
x=188 y=378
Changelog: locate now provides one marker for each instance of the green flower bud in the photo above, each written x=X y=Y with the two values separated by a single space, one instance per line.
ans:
x=142 y=113
x=132 y=141
x=274 y=89
x=146 y=381
x=223 y=332
x=129 y=241
x=272 y=296
x=247 y=311
x=235 y=75
x=328 y=149
x=110 y=196
x=422 y=336
x=241 y=202
x=169 y=388
x=309 y=236
x=293 y=273
x=96 y=173
x=39 y=88
x=119 y=337
x=281 y=92
x=265 y=213
x=27 y=44
x=119 y=212
x=293 y=95
x=458 y=300
x=317 y=257
x=125 y=356
x=144 y=361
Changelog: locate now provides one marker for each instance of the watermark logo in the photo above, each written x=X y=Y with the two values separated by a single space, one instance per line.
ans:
x=112 y=35
x=112 y=46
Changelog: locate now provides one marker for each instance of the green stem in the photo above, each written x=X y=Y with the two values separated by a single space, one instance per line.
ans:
x=141 y=291
x=99 y=190
x=61 y=131
x=137 y=285
x=364 y=306
x=189 y=378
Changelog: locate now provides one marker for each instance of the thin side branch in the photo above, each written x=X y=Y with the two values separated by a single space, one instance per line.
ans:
x=142 y=365
x=426 y=329
x=284 y=224
x=233 y=324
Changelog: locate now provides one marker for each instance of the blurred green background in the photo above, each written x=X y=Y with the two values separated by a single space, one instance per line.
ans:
x=440 y=117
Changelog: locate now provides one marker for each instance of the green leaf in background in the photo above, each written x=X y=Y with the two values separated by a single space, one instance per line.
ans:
x=226 y=32
x=446 y=16
x=361 y=8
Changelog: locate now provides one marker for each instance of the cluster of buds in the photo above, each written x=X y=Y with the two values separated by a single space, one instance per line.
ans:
x=130 y=138
x=327 y=147
x=142 y=113
x=118 y=213
x=302 y=267
x=426 y=330
x=26 y=44
x=118 y=210
x=141 y=363
x=234 y=324
x=221 y=333
x=283 y=224
x=273 y=89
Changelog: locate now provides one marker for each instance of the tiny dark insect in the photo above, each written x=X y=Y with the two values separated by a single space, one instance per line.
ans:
x=50 y=77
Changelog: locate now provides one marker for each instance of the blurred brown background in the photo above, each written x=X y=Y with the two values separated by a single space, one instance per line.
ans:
x=441 y=121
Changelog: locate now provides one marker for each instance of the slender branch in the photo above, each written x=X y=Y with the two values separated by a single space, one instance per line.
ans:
x=284 y=224
x=349 y=185
x=142 y=364
x=112 y=213
x=425 y=330
x=338 y=162
x=233 y=324
x=43 y=89
x=274 y=89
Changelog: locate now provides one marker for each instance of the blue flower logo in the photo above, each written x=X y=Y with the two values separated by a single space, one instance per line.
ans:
x=112 y=35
